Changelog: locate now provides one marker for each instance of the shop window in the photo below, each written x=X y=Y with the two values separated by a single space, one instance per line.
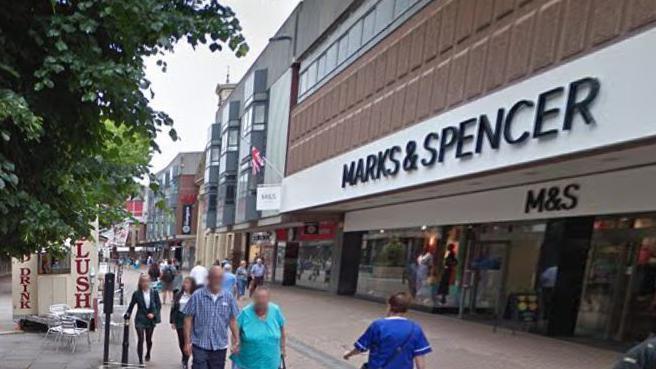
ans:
x=54 y=264
x=315 y=259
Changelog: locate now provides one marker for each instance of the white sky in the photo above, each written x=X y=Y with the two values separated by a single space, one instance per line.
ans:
x=186 y=90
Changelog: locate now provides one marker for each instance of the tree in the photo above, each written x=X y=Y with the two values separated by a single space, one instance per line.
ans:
x=68 y=69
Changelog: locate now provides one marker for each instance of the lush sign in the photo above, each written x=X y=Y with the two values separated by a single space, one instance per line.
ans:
x=552 y=111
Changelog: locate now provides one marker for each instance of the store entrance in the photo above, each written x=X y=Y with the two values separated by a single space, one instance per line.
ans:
x=487 y=272
x=618 y=301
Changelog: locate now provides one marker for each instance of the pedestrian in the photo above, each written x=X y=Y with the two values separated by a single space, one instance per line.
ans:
x=393 y=342
x=147 y=317
x=242 y=279
x=208 y=315
x=642 y=356
x=167 y=277
x=199 y=274
x=258 y=270
x=229 y=280
x=177 y=316
x=262 y=333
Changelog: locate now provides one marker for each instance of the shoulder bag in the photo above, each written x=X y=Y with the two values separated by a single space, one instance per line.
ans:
x=397 y=351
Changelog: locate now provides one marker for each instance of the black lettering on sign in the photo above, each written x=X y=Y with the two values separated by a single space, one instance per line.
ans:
x=550 y=199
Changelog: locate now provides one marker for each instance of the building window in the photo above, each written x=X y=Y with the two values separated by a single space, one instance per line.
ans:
x=342 y=52
x=230 y=194
x=384 y=14
x=51 y=264
x=242 y=184
x=355 y=37
x=259 y=117
x=321 y=67
x=368 y=26
x=246 y=122
x=312 y=75
x=303 y=83
x=233 y=139
x=331 y=58
x=400 y=6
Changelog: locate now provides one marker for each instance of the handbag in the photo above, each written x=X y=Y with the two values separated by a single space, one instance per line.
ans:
x=397 y=351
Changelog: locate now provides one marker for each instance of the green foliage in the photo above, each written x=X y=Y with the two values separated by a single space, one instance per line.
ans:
x=68 y=70
x=392 y=254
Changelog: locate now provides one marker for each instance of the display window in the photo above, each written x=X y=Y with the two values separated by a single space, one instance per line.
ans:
x=315 y=261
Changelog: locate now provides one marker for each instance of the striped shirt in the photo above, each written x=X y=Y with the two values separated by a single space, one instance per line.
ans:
x=211 y=318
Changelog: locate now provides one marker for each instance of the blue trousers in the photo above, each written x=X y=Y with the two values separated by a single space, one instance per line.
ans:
x=241 y=287
x=206 y=359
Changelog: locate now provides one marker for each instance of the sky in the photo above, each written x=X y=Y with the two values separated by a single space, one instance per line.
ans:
x=186 y=90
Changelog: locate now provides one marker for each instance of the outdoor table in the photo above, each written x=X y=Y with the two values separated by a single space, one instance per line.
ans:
x=83 y=313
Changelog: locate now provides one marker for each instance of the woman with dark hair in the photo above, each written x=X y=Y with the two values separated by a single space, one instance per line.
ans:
x=148 y=314
x=177 y=316
x=153 y=272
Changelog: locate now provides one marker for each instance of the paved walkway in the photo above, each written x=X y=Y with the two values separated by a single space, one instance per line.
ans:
x=322 y=325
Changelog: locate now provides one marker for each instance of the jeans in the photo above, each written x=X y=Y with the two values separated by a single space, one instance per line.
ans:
x=206 y=359
x=241 y=287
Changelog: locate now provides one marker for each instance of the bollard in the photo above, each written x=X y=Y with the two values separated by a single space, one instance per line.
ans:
x=122 y=289
x=126 y=342
x=108 y=308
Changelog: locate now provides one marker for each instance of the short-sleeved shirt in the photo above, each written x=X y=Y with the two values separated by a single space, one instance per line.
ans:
x=229 y=281
x=211 y=318
x=260 y=338
x=385 y=336
x=257 y=270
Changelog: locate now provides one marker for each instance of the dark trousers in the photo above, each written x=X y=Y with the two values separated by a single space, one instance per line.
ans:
x=147 y=334
x=181 y=341
x=206 y=359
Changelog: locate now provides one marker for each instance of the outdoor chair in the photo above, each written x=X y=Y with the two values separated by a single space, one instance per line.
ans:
x=58 y=309
x=54 y=323
x=70 y=332
x=114 y=328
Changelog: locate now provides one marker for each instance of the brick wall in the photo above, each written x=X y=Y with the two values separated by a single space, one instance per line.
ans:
x=450 y=53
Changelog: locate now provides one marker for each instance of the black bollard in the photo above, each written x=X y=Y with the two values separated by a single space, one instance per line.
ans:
x=122 y=289
x=126 y=342
x=108 y=308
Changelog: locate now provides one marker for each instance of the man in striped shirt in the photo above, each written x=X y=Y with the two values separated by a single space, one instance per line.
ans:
x=208 y=315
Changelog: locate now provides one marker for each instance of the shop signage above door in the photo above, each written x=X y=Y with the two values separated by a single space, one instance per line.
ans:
x=268 y=197
x=551 y=199
x=596 y=101
x=551 y=112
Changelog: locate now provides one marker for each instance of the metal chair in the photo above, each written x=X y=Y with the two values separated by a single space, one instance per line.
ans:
x=58 y=309
x=54 y=323
x=70 y=332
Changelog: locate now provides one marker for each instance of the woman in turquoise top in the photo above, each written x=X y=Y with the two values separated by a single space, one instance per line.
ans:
x=262 y=333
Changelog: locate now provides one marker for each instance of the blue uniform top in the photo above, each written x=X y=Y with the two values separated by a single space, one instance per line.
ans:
x=383 y=338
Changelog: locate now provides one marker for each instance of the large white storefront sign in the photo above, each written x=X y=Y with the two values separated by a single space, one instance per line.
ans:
x=624 y=191
x=602 y=99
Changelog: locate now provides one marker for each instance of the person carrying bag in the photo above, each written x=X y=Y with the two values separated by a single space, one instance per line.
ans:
x=393 y=342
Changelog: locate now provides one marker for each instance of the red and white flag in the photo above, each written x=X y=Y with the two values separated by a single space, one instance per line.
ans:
x=257 y=160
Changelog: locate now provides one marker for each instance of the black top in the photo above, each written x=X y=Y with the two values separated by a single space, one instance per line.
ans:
x=141 y=320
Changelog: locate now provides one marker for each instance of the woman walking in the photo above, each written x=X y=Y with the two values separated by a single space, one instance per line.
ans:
x=393 y=342
x=147 y=317
x=262 y=334
x=177 y=316
x=242 y=279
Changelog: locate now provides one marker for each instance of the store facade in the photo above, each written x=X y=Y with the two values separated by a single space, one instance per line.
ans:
x=491 y=163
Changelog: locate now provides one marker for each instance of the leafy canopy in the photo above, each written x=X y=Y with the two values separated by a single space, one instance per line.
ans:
x=69 y=70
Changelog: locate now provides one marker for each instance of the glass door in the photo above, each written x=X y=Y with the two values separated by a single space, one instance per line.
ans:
x=487 y=268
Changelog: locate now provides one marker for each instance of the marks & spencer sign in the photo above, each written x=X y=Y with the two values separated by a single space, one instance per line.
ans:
x=551 y=112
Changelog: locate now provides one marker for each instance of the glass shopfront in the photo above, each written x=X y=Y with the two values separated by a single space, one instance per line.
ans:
x=422 y=261
x=315 y=260
x=480 y=270
x=618 y=302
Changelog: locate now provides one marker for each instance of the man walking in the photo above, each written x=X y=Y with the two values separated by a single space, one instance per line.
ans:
x=199 y=274
x=208 y=315
x=258 y=270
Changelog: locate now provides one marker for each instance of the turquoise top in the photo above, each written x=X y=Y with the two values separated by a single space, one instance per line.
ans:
x=260 y=338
